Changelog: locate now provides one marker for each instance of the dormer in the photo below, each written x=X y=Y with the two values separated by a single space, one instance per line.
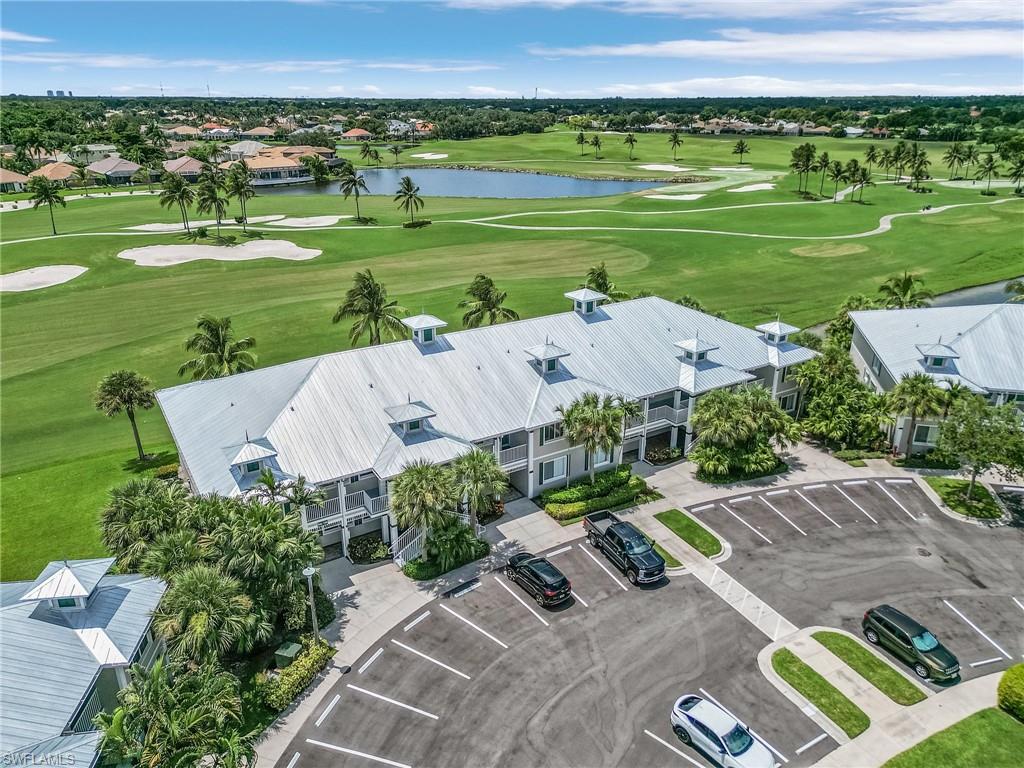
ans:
x=424 y=328
x=937 y=356
x=410 y=416
x=252 y=457
x=776 y=332
x=67 y=585
x=547 y=356
x=585 y=300
x=695 y=350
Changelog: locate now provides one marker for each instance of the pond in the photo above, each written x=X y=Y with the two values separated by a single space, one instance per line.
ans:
x=460 y=182
x=992 y=293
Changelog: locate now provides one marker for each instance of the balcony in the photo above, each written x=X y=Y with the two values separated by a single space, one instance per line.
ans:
x=92 y=708
x=358 y=507
x=666 y=414
x=513 y=458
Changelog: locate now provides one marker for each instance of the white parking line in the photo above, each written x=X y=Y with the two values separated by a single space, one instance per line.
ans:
x=753 y=733
x=475 y=584
x=431 y=659
x=818 y=509
x=975 y=627
x=409 y=707
x=327 y=709
x=580 y=599
x=898 y=504
x=741 y=498
x=679 y=752
x=814 y=487
x=601 y=565
x=370 y=661
x=415 y=621
x=348 y=751
x=778 y=492
x=746 y=523
x=522 y=602
x=482 y=631
x=701 y=508
x=559 y=551
x=777 y=512
x=294 y=760
x=986 y=661
x=901 y=481
x=855 y=482
x=811 y=743
x=1018 y=602
x=858 y=506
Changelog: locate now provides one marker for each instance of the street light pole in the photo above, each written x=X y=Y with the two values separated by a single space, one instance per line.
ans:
x=308 y=572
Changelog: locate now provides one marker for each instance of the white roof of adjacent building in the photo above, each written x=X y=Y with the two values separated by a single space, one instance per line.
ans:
x=247 y=147
x=326 y=417
x=696 y=344
x=987 y=342
x=420 y=322
x=585 y=294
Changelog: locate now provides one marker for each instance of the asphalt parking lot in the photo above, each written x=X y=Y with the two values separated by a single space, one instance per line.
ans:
x=486 y=677
x=821 y=554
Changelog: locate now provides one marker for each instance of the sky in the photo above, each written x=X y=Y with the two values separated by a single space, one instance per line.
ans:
x=495 y=49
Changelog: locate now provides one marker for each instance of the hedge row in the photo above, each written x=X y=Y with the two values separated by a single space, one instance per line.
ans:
x=1011 y=691
x=278 y=692
x=619 y=496
x=604 y=483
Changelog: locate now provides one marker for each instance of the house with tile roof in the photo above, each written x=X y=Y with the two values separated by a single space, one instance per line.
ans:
x=62 y=173
x=187 y=167
x=12 y=181
x=116 y=170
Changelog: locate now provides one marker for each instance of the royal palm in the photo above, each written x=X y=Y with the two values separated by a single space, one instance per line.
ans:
x=917 y=396
x=631 y=141
x=367 y=302
x=176 y=191
x=408 y=197
x=353 y=183
x=218 y=352
x=238 y=185
x=42 y=191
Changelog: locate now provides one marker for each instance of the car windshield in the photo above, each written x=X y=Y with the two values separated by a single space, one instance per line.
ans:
x=738 y=741
x=925 y=641
x=637 y=546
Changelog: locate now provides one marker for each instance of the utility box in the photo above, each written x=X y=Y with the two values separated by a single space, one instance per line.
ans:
x=286 y=654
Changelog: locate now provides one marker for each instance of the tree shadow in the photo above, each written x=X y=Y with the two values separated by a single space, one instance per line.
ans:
x=139 y=466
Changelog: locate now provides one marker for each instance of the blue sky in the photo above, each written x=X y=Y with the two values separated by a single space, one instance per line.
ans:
x=508 y=48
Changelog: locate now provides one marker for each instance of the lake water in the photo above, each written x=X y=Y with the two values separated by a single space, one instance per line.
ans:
x=454 y=182
x=993 y=293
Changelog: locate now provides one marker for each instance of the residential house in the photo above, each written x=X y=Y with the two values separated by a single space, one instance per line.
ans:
x=879 y=132
x=183 y=132
x=424 y=129
x=399 y=129
x=259 y=132
x=298 y=151
x=219 y=134
x=62 y=173
x=116 y=170
x=12 y=181
x=274 y=169
x=87 y=153
x=177 y=148
x=359 y=134
x=243 y=149
x=67 y=642
x=852 y=132
x=810 y=129
x=350 y=421
x=187 y=167
x=979 y=347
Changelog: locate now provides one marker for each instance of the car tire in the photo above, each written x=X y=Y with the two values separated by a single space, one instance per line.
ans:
x=508 y=574
x=631 y=576
x=871 y=635
x=921 y=670
x=682 y=734
x=592 y=540
x=539 y=599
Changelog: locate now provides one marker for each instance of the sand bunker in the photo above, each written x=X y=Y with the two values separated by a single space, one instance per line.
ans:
x=309 y=221
x=733 y=168
x=430 y=156
x=40 y=277
x=673 y=197
x=658 y=167
x=828 y=250
x=753 y=188
x=178 y=227
x=167 y=255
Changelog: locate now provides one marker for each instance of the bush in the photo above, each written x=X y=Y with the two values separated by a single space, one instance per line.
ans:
x=738 y=477
x=626 y=494
x=664 y=455
x=239 y=220
x=1011 y=691
x=855 y=454
x=988 y=193
x=201 y=232
x=296 y=612
x=581 y=490
x=489 y=516
x=931 y=460
x=423 y=569
x=416 y=224
x=166 y=472
x=278 y=692
x=368 y=548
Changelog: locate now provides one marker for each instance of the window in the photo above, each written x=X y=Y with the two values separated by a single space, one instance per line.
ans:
x=788 y=403
x=701 y=355
x=550 y=432
x=414 y=425
x=67 y=602
x=688 y=355
x=771 y=337
x=506 y=442
x=579 y=306
x=556 y=469
x=428 y=334
x=937 y=362
x=876 y=364
x=252 y=466
x=602 y=457
x=590 y=307
x=550 y=366
x=924 y=434
x=783 y=374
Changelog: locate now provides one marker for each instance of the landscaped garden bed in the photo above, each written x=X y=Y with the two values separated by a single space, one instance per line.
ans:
x=953 y=492
x=612 y=489
x=871 y=668
x=739 y=477
x=368 y=548
x=820 y=692
x=690 y=531
x=426 y=568
x=989 y=737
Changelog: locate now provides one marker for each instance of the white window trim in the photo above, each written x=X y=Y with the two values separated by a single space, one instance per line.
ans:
x=565 y=469
x=918 y=428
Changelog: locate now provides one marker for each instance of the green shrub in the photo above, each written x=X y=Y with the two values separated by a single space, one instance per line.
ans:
x=166 y=472
x=930 y=460
x=581 y=490
x=280 y=691
x=618 y=497
x=1011 y=691
x=416 y=224
x=664 y=455
x=488 y=516
x=423 y=570
x=368 y=548
x=296 y=612
x=854 y=454
x=201 y=232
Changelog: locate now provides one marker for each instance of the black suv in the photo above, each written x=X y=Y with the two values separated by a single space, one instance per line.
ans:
x=911 y=642
x=539 y=577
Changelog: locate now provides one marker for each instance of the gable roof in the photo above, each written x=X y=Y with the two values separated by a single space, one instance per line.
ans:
x=7 y=176
x=183 y=164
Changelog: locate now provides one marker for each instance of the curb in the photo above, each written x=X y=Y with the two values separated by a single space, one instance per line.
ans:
x=934 y=497
x=878 y=655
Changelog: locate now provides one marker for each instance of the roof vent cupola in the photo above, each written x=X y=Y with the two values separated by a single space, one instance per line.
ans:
x=937 y=355
x=424 y=328
x=696 y=350
x=776 y=332
x=547 y=356
x=586 y=300
x=410 y=415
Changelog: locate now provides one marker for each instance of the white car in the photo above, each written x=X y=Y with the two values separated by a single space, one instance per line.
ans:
x=718 y=734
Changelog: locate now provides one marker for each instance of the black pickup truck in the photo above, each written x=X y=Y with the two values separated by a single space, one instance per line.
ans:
x=626 y=546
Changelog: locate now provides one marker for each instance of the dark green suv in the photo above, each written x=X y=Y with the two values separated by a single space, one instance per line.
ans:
x=911 y=642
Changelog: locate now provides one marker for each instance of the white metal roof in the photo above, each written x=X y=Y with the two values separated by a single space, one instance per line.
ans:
x=696 y=345
x=777 y=327
x=988 y=340
x=421 y=322
x=585 y=294
x=408 y=411
x=937 y=350
x=326 y=416
x=68 y=578
x=546 y=351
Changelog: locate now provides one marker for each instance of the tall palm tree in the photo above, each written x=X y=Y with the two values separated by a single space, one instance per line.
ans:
x=954 y=393
x=599 y=280
x=176 y=191
x=210 y=200
x=375 y=157
x=143 y=176
x=479 y=480
x=906 y=292
x=316 y=167
x=919 y=163
x=395 y=150
x=987 y=168
x=581 y=142
x=970 y=157
x=1016 y=290
x=741 y=148
x=675 y=143
x=916 y=395
x=596 y=423
x=885 y=160
x=837 y=174
x=899 y=158
x=408 y=197
x=42 y=191
x=125 y=391
x=485 y=302
x=424 y=495
x=1016 y=174
x=352 y=183
x=953 y=157
x=595 y=142
x=219 y=353
x=367 y=302
x=172 y=552
x=239 y=186
x=871 y=156
x=821 y=165
x=81 y=175
x=863 y=180
x=366 y=152
x=631 y=141
x=852 y=174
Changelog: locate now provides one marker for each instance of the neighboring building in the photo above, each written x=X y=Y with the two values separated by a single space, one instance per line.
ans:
x=399 y=129
x=67 y=642
x=115 y=170
x=243 y=149
x=349 y=422
x=62 y=173
x=298 y=151
x=980 y=347
x=219 y=134
x=879 y=132
x=177 y=148
x=853 y=132
x=358 y=134
x=183 y=132
x=12 y=181
x=187 y=167
x=87 y=153
x=259 y=132
x=269 y=170
x=424 y=129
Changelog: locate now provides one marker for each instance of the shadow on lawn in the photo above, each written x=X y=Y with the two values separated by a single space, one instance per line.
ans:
x=152 y=461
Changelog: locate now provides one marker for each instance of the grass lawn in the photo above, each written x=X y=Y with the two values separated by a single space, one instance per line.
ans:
x=820 y=692
x=981 y=505
x=987 y=738
x=690 y=531
x=871 y=668
x=670 y=561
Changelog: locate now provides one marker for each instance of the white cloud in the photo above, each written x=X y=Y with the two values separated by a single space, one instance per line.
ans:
x=952 y=11
x=417 y=67
x=756 y=85
x=489 y=90
x=10 y=36
x=371 y=90
x=844 y=46
x=144 y=88
x=299 y=88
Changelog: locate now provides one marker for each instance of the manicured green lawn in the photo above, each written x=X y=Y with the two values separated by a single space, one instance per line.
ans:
x=871 y=668
x=690 y=531
x=987 y=738
x=670 y=561
x=820 y=692
x=981 y=505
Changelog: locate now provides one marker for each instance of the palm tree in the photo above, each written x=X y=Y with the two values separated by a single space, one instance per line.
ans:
x=1016 y=174
x=631 y=141
x=317 y=168
x=916 y=395
x=821 y=165
x=172 y=552
x=395 y=150
x=596 y=423
x=125 y=391
x=366 y=152
x=599 y=280
x=987 y=168
x=885 y=160
x=919 y=163
x=239 y=185
x=176 y=191
x=43 y=191
x=408 y=197
x=352 y=183
x=953 y=157
x=143 y=176
x=741 y=148
x=852 y=175
x=675 y=142
x=970 y=157
x=138 y=513
x=581 y=142
x=904 y=292
x=424 y=496
x=863 y=180
x=375 y=157
x=367 y=302
x=479 y=480
x=1016 y=290
x=954 y=393
x=837 y=174
x=81 y=175
x=210 y=200
x=595 y=142
x=871 y=156
x=485 y=301
x=219 y=353
x=899 y=158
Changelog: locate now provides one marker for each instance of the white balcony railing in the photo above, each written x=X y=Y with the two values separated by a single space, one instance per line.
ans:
x=316 y=513
x=92 y=708
x=666 y=413
x=513 y=455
